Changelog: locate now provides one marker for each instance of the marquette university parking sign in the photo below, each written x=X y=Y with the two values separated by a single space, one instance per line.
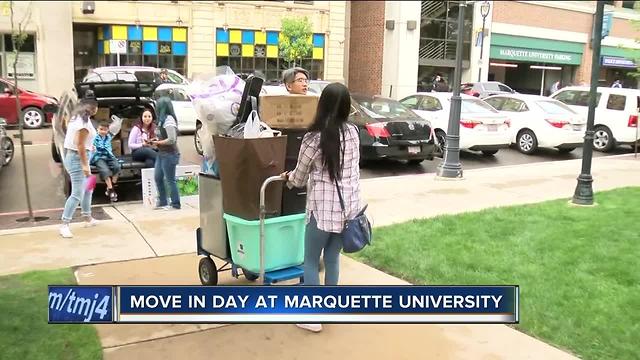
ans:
x=285 y=304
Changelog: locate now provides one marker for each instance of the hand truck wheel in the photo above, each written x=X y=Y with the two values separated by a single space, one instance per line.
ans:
x=207 y=272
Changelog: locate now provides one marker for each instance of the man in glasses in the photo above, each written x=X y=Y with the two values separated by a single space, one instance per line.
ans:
x=296 y=80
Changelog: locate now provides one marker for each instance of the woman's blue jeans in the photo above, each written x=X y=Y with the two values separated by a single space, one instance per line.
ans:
x=165 y=172
x=315 y=241
x=79 y=193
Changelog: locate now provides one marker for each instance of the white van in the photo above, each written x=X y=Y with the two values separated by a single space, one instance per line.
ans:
x=616 y=118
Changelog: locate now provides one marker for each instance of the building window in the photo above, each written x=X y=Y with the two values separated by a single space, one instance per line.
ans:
x=26 y=66
x=155 y=46
x=439 y=30
x=251 y=51
x=629 y=4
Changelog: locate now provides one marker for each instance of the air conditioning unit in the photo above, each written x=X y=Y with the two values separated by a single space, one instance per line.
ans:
x=88 y=7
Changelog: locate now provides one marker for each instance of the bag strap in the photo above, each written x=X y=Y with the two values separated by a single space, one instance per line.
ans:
x=335 y=179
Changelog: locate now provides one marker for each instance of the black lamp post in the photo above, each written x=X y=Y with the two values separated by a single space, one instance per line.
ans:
x=451 y=167
x=484 y=11
x=584 y=190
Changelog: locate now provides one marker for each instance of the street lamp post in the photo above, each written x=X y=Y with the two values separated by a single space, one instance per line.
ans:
x=484 y=11
x=584 y=190
x=451 y=167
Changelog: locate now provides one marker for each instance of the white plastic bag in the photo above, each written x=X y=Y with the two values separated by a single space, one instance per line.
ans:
x=215 y=97
x=252 y=127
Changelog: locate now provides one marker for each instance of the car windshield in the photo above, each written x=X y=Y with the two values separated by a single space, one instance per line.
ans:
x=473 y=106
x=384 y=108
x=555 y=107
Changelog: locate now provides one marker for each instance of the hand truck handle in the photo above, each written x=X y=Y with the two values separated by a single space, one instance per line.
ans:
x=263 y=190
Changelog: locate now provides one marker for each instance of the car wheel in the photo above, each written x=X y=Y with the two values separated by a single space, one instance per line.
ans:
x=566 y=150
x=54 y=152
x=489 y=152
x=603 y=139
x=526 y=142
x=8 y=150
x=196 y=139
x=33 y=118
x=441 y=140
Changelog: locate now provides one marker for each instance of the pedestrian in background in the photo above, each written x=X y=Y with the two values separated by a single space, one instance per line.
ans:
x=168 y=155
x=555 y=87
x=617 y=84
x=78 y=142
x=143 y=131
x=296 y=80
x=328 y=165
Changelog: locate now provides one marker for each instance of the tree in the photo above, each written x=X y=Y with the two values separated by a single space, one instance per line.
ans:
x=18 y=37
x=295 y=44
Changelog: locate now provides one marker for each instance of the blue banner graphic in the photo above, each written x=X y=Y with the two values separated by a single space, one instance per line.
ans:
x=392 y=304
x=80 y=304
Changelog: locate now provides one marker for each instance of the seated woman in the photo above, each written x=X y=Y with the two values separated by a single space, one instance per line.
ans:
x=142 y=133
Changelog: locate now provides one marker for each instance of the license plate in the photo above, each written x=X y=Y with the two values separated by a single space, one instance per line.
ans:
x=577 y=127
x=492 y=127
x=414 y=149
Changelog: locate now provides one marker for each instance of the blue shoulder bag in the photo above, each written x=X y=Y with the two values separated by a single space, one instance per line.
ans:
x=357 y=232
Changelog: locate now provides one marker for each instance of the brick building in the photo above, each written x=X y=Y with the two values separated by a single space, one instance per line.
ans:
x=397 y=47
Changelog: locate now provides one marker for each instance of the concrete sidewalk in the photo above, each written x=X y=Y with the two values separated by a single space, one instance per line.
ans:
x=160 y=247
x=136 y=232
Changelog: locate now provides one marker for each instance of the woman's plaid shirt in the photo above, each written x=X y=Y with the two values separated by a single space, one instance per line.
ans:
x=322 y=196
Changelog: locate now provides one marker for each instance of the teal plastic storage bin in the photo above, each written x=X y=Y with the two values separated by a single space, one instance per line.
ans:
x=284 y=242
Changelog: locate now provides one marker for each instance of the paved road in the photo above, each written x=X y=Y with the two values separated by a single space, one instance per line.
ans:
x=45 y=176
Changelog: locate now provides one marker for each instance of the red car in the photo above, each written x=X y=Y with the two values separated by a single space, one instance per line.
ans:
x=30 y=102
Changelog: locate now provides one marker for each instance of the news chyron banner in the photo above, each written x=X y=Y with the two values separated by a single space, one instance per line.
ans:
x=284 y=304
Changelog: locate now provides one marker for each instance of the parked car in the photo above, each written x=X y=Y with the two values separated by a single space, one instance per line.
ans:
x=390 y=130
x=482 y=128
x=487 y=88
x=121 y=94
x=142 y=73
x=187 y=117
x=316 y=86
x=31 y=103
x=616 y=116
x=6 y=145
x=538 y=121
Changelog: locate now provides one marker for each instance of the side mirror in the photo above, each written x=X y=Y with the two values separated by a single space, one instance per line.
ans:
x=8 y=91
x=50 y=108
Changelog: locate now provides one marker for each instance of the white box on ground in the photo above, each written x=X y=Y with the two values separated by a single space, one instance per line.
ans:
x=186 y=176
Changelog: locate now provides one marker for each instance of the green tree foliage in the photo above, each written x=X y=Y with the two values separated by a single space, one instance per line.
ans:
x=295 y=44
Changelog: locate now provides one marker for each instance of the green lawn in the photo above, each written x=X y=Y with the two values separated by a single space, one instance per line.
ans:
x=578 y=268
x=24 y=331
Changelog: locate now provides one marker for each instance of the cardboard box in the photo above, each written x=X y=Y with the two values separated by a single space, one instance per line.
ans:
x=116 y=144
x=288 y=111
x=102 y=114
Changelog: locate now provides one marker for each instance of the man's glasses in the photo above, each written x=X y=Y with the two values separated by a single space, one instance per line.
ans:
x=301 y=80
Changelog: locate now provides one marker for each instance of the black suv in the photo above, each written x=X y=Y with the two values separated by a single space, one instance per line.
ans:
x=124 y=92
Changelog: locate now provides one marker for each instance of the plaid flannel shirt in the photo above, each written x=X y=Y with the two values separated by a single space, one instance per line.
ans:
x=322 y=196
x=104 y=151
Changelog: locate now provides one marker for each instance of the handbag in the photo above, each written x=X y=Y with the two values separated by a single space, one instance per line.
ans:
x=357 y=232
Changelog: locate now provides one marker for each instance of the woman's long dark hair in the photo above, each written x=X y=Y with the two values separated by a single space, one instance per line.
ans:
x=332 y=113
x=164 y=108
x=152 y=126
